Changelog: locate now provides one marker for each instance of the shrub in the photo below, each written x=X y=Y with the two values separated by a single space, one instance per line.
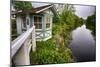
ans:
x=47 y=53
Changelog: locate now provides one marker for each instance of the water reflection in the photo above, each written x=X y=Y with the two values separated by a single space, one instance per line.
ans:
x=83 y=45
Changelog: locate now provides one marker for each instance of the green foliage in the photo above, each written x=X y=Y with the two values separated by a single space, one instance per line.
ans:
x=67 y=14
x=91 y=23
x=22 y=5
x=79 y=22
x=56 y=50
x=68 y=18
x=47 y=53
x=13 y=29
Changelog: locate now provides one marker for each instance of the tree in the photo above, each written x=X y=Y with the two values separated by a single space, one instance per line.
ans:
x=91 y=23
x=22 y=5
x=67 y=14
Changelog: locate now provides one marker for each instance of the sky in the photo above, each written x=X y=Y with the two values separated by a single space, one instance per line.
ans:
x=84 y=11
x=81 y=10
x=35 y=5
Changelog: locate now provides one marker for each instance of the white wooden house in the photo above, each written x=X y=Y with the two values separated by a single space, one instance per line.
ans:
x=41 y=17
x=34 y=24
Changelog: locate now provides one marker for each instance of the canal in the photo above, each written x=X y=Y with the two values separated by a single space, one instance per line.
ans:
x=83 y=45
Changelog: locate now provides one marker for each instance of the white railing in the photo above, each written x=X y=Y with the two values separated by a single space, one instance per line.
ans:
x=19 y=41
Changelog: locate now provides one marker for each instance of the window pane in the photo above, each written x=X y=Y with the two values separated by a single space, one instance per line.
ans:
x=35 y=19
x=40 y=19
x=47 y=25
x=40 y=26
x=38 y=22
x=48 y=22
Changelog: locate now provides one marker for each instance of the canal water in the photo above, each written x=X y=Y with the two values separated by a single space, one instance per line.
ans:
x=83 y=45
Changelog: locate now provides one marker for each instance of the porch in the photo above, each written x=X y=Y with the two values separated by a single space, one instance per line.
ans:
x=21 y=46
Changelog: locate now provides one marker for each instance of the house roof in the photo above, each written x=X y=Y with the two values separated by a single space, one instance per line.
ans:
x=38 y=10
x=33 y=10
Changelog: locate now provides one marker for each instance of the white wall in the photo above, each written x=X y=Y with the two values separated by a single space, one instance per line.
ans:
x=19 y=24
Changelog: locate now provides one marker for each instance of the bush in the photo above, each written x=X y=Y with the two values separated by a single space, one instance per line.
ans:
x=47 y=53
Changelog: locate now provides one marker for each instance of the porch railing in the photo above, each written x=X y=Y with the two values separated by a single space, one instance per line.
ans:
x=27 y=37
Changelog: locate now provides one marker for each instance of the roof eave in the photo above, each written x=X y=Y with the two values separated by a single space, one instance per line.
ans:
x=44 y=9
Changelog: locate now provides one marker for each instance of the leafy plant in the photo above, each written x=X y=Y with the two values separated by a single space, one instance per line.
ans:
x=47 y=53
x=22 y=5
x=91 y=23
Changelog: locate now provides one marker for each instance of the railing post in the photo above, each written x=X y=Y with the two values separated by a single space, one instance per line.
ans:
x=33 y=40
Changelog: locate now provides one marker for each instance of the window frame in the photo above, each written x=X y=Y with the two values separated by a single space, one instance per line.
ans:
x=38 y=22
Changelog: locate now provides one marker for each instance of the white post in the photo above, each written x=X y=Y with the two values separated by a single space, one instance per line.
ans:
x=33 y=40
x=44 y=20
x=19 y=24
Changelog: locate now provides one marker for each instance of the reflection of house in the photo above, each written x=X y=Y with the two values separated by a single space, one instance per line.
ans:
x=41 y=17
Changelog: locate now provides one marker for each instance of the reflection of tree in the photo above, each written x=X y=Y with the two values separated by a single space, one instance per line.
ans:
x=91 y=23
x=79 y=22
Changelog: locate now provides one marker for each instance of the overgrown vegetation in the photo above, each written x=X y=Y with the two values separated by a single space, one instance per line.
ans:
x=48 y=53
x=91 y=23
x=56 y=50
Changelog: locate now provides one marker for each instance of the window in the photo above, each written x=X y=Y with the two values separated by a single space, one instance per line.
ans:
x=48 y=22
x=38 y=22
